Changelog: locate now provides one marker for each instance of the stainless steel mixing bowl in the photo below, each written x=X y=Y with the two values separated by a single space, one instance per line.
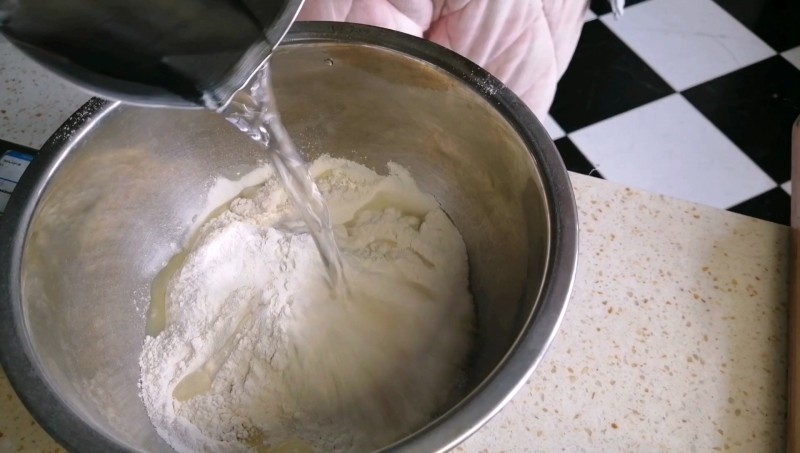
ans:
x=110 y=198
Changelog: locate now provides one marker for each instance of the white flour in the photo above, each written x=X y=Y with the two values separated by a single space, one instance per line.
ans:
x=271 y=358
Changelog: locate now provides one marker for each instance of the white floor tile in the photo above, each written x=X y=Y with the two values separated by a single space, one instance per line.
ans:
x=793 y=55
x=553 y=128
x=787 y=186
x=688 y=41
x=668 y=147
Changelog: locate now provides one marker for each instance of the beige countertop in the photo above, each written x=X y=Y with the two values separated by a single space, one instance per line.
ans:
x=674 y=340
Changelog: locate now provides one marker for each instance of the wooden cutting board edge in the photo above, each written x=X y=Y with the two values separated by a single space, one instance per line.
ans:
x=793 y=392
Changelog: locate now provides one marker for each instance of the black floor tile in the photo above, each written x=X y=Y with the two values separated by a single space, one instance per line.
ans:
x=777 y=22
x=574 y=159
x=600 y=7
x=755 y=107
x=605 y=78
x=773 y=206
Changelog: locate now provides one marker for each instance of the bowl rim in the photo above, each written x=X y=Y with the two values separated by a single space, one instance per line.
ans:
x=448 y=430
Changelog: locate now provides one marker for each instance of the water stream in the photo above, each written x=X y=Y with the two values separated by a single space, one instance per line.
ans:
x=254 y=112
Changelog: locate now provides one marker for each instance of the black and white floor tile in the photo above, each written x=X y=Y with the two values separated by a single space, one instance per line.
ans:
x=690 y=98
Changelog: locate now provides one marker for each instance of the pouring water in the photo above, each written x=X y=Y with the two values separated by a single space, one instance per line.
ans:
x=253 y=110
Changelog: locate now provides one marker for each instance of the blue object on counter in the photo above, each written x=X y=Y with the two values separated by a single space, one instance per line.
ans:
x=13 y=163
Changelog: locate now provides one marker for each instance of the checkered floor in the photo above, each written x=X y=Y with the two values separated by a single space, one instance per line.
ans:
x=690 y=98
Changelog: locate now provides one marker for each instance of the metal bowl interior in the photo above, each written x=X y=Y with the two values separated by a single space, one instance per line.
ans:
x=116 y=189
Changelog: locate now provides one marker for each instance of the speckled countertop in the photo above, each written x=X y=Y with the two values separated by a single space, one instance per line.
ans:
x=674 y=340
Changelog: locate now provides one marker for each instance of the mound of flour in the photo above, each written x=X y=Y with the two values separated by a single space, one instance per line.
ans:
x=256 y=353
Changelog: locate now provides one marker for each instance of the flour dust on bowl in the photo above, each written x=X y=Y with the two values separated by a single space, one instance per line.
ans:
x=114 y=195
